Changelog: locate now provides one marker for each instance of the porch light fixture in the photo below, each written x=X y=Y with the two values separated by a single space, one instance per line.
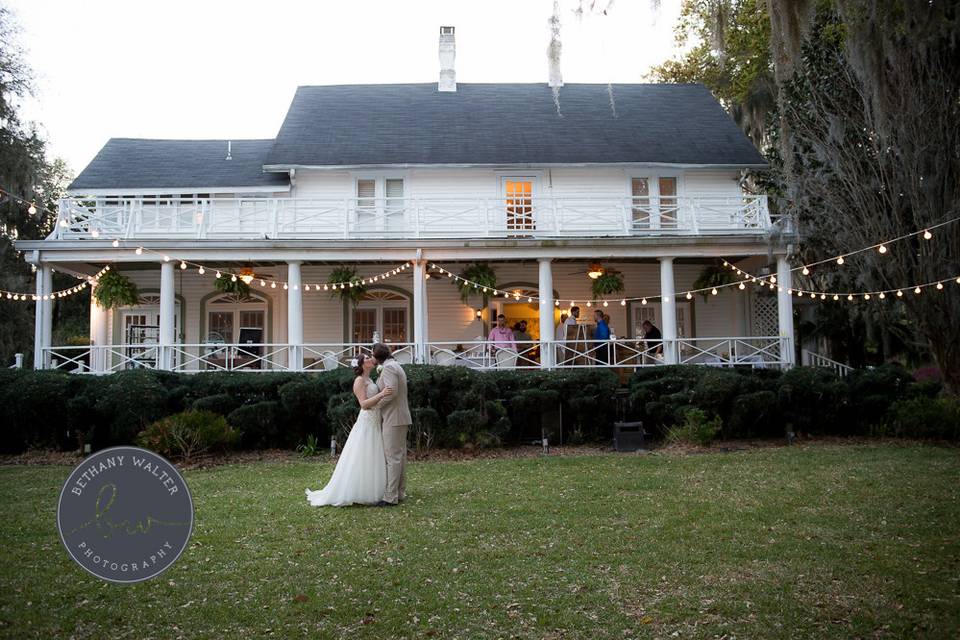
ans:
x=479 y=313
x=595 y=270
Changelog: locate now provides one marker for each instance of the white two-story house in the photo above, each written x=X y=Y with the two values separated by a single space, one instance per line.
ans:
x=408 y=185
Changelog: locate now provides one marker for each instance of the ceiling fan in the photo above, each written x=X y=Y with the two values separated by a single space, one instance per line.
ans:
x=593 y=271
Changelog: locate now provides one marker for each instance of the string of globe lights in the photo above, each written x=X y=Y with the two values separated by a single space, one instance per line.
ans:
x=62 y=293
x=496 y=292
x=850 y=296
x=248 y=276
x=879 y=294
x=880 y=247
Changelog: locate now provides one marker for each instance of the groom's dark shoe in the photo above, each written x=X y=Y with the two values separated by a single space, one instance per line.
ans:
x=384 y=503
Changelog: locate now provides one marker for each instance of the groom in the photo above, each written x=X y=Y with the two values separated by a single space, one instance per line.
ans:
x=396 y=421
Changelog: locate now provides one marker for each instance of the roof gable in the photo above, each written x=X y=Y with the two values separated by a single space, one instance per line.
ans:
x=508 y=124
x=137 y=163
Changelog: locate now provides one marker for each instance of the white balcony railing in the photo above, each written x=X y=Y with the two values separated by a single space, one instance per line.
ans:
x=409 y=218
x=756 y=352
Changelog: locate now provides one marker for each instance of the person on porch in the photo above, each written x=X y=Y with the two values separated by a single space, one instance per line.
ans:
x=653 y=339
x=601 y=332
x=501 y=337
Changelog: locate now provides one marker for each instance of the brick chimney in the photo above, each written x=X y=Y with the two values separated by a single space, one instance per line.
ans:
x=448 y=53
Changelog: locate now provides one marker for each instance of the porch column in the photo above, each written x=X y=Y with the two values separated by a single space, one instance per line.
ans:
x=668 y=311
x=420 y=349
x=167 y=309
x=47 y=328
x=295 y=315
x=545 y=290
x=38 y=322
x=785 y=311
x=99 y=340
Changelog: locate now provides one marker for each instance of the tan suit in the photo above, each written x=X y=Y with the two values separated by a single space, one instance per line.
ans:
x=395 y=412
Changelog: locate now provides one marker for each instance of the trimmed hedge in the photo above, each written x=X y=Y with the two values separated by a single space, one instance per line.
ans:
x=458 y=407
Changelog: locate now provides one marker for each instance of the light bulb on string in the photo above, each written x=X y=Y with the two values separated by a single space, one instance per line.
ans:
x=917 y=291
x=927 y=235
x=882 y=295
x=115 y=243
x=139 y=251
x=713 y=291
x=32 y=210
x=840 y=260
x=823 y=296
x=940 y=286
x=742 y=286
x=689 y=296
x=201 y=270
x=805 y=271
x=217 y=274
x=899 y=294
x=866 y=296
x=850 y=297
x=882 y=249
x=623 y=303
x=644 y=301
x=183 y=265
x=607 y=304
x=233 y=278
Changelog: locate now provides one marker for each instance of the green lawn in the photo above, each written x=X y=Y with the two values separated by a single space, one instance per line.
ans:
x=813 y=541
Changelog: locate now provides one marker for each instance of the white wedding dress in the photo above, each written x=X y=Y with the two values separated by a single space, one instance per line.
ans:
x=361 y=472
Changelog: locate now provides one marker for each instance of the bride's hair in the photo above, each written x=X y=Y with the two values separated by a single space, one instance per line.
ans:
x=358 y=368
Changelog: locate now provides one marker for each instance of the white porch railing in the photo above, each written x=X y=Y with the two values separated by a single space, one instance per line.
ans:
x=816 y=360
x=757 y=352
x=409 y=218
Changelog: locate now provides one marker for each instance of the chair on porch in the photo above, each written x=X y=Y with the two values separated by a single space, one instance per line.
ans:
x=444 y=357
x=403 y=356
x=506 y=358
x=329 y=360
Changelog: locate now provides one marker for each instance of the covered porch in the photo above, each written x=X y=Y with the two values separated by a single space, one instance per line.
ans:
x=294 y=319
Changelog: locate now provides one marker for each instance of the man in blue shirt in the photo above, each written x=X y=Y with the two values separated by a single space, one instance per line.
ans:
x=602 y=332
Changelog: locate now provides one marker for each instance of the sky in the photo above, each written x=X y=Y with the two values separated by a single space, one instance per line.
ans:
x=227 y=69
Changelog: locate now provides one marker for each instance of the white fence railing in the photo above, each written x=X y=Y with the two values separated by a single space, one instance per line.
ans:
x=757 y=352
x=816 y=360
x=402 y=218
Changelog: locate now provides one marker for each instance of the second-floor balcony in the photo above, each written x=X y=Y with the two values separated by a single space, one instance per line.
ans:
x=410 y=218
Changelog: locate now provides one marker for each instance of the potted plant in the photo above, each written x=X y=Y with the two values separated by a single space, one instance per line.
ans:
x=713 y=276
x=113 y=289
x=480 y=275
x=238 y=287
x=347 y=284
x=610 y=282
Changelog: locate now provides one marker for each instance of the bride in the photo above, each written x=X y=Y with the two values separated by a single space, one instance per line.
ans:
x=361 y=473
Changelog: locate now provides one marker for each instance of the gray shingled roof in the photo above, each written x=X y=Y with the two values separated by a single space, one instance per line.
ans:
x=494 y=124
x=135 y=163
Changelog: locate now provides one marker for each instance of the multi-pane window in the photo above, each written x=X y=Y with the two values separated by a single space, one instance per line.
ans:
x=519 y=197
x=654 y=203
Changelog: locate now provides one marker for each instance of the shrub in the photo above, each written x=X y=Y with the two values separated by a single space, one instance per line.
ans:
x=923 y=418
x=123 y=404
x=342 y=412
x=812 y=399
x=259 y=424
x=870 y=394
x=35 y=407
x=696 y=428
x=188 y=434
x=426 y=425
x=754 y=415
x=466 y=426
x=222 y=403
x=312 y=447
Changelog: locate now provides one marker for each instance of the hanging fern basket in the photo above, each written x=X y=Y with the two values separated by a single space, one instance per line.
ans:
x=114 y=289
x=347 y=285
x=238 y=287
x=609 y=283
x=480 y=275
